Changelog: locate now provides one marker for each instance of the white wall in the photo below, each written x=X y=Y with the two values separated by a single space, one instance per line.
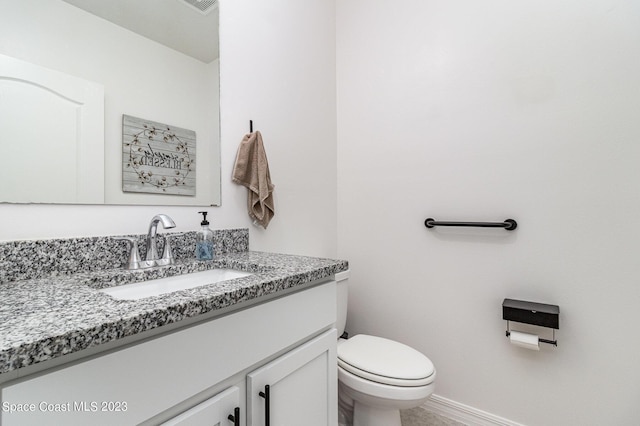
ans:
x=483 y=111
x=278 y=68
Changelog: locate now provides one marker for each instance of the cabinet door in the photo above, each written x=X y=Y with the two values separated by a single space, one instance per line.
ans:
x=299 y=388
x=220 y=410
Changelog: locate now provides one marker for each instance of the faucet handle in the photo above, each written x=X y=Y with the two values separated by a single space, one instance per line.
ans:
x=134 y=254
x=167 y=253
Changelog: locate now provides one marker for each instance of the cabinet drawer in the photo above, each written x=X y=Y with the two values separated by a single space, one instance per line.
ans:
x=214 y=411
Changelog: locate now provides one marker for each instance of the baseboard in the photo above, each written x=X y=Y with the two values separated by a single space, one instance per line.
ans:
x=463 y=413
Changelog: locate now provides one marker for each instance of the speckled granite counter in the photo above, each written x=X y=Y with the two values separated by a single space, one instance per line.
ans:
x=46 y=317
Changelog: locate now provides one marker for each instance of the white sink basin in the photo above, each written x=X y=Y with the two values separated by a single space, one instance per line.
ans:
x=170 y=284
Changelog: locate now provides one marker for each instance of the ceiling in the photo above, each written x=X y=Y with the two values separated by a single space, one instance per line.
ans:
x=173 y=23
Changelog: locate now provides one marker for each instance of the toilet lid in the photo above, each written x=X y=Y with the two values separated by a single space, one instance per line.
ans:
x=385 y=361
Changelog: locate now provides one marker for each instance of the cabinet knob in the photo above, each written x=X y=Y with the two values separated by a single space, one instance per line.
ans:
x=265 y=395
x=235 y=417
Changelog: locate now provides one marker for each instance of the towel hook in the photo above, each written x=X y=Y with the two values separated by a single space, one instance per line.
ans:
x=250 y=126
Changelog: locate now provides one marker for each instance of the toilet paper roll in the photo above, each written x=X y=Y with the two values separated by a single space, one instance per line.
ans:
x=525 y=340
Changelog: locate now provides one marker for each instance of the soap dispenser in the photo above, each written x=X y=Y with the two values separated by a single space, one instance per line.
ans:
x=204 y=240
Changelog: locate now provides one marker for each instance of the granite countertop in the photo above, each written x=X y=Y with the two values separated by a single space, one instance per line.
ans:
x=47 y=317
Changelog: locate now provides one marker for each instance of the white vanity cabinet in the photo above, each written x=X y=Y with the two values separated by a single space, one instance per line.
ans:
x=200 y=373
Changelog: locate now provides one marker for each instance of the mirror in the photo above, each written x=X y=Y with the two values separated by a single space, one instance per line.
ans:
x=158 y=66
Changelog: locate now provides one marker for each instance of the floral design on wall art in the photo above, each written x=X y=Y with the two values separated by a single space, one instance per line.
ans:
x=157 y=158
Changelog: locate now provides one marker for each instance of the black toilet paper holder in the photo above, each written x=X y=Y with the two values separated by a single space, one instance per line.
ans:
x=533 y=313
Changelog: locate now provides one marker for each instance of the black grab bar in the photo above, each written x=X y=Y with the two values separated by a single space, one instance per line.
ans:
x=508 y=224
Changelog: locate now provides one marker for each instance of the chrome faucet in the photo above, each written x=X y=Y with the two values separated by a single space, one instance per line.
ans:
x=152 y=245
x=151 y=258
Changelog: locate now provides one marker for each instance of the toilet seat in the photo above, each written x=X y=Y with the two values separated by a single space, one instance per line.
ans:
x=385 y=361
x=382 y=395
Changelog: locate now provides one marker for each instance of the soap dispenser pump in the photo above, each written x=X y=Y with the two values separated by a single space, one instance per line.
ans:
x=204 y=240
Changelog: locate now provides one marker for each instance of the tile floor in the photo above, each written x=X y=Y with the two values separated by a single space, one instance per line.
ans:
x=421 y=417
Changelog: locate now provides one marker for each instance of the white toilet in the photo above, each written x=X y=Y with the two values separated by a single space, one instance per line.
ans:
x=377 y=377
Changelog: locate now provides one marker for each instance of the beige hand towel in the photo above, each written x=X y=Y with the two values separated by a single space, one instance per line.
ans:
x=252 y=170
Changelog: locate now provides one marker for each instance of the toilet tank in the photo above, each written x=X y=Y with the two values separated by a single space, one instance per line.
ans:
x=342 y=280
